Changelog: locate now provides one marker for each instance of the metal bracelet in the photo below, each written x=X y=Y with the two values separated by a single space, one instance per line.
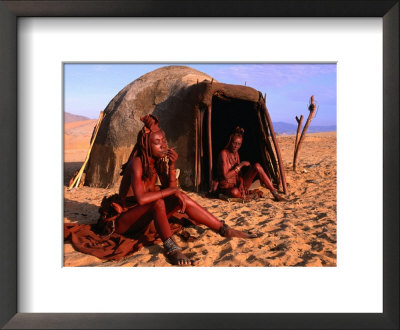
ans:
x=170 y=245
x=222 y=231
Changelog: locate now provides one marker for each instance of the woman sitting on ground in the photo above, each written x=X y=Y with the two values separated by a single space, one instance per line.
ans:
x=231 y=181
x=152 y=202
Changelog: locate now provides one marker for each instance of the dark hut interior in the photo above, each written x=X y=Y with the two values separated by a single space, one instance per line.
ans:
x=226 y=114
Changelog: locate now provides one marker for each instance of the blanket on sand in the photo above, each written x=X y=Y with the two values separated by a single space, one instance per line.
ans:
x=90 y=239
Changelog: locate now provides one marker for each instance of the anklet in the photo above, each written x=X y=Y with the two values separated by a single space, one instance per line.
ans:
x=170 y=245
x=222 y=231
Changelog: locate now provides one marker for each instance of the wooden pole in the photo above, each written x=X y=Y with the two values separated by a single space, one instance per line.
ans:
x=299 y=122
x=77 y=179
x=312 y=109
x=196 y=155
x=201 y=147
x=271 y=153
x=270 y=150
x=278 y=152
x=267 y=152
x=201 y=132
x=210 y=157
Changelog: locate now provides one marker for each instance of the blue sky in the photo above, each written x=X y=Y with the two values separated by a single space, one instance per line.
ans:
x=90 y=87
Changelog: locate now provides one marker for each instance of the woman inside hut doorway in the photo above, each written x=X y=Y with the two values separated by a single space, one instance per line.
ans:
x=230 y=180
x=156 y=203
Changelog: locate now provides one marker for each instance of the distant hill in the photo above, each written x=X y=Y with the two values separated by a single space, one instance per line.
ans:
x=286 y=128
x=69 y=117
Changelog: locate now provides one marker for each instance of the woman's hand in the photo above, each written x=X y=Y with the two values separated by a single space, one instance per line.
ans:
x=242 y=190
x=244 y=163
x=182 y=201
x=175 y=191
x=172 y=156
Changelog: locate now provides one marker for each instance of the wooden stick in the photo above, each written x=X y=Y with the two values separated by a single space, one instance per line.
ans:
x=75 y=182
x=267 y=156
x=201 y=147
x=270 y=150
x=312 y=109
x=210 y=157
x=199 y=150
x=299 y=122
x=196 y=155
x=201 y=133
x=278 y=152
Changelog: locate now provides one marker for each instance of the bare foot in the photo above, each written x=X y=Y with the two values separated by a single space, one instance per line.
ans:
x=277 y=197
x=177 y=258
x=229 y=232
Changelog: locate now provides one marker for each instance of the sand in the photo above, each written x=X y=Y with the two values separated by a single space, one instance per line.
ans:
x=298 y=232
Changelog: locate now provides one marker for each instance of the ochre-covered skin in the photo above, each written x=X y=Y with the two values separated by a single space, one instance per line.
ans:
x=230 y=180
x=154 y=202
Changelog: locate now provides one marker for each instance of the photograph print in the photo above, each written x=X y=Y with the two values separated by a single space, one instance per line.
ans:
x=200 y=165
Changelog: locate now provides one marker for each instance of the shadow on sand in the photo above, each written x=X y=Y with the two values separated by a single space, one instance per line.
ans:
x=88 y=213
x=69 y=169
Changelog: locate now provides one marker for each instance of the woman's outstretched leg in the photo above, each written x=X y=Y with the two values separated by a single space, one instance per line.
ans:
x=202 y=216
x=255 y=170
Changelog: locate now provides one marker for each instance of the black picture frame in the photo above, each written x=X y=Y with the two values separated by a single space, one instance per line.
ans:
x=9 y=13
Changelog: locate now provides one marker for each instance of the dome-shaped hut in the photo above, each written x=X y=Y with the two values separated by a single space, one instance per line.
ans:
x=197 y=115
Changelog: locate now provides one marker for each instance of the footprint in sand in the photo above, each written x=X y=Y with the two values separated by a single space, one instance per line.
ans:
x=316 y=246
x=278 y=255
x=307 y=256
x=241 y=243
x=320 y=225
x=325 y=236
x=224 y=255
x=321 y=215
x=198 y=246
x=263 y=223
x=274 y=231
x=280 y=247
x=226 y=240
x=251 y=259
x=226 y=258
x=241 y=221
x=225 y=251
x=330 y=254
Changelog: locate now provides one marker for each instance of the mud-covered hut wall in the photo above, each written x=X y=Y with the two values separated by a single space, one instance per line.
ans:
x=177 y=116
x=165 y=92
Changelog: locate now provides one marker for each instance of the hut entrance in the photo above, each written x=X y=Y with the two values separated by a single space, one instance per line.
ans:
x=226 y=115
